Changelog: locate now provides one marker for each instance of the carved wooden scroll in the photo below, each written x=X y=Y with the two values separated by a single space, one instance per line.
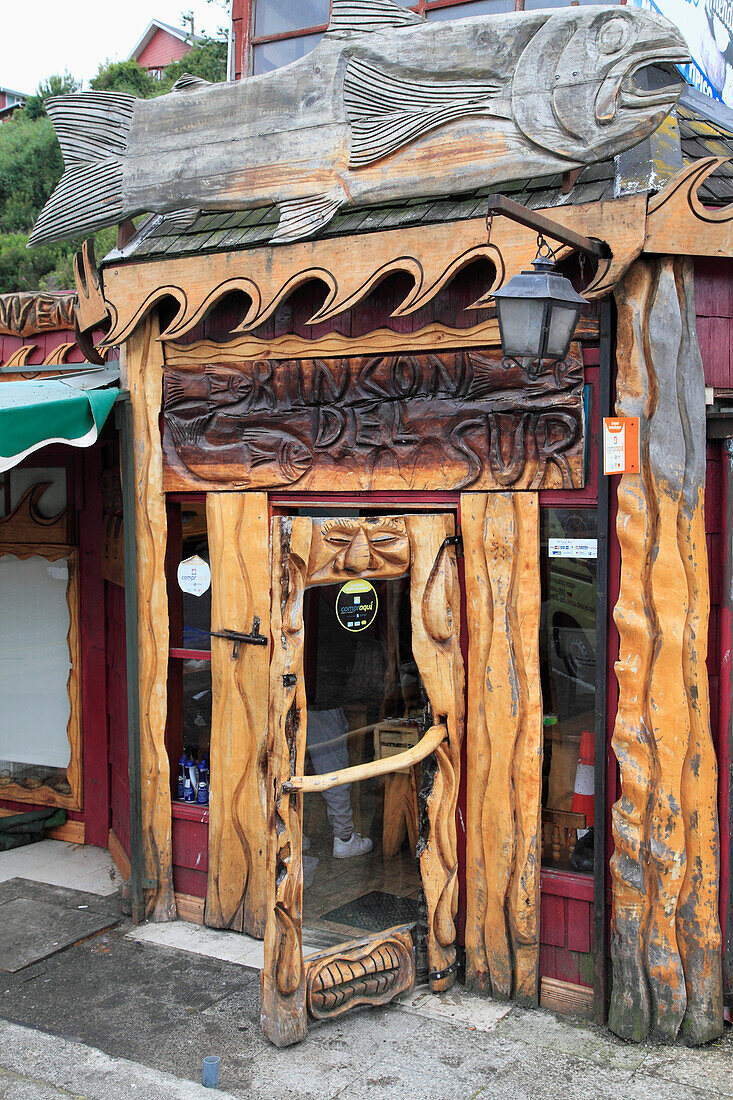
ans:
x=435 y=602
x=240 y=567
x=501 y=547
x=679 y=224
x=440 y=421
x=144 y=379
x=665 y=938
x=351 y=267
x=26 y=522
x=27 y=314
x=371 y=971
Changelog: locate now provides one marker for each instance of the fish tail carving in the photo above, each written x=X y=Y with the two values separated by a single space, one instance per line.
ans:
x=92 y=129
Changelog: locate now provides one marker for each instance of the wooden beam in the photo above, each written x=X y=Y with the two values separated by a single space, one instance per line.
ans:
x=665 y=939
x=501 y=547
x=144 y=369
x=679 y=224
x=240 y=567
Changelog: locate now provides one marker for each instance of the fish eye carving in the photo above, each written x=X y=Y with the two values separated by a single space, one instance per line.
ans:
x=613 y=35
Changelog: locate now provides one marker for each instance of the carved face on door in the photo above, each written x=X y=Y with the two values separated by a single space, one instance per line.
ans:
x=344 y=547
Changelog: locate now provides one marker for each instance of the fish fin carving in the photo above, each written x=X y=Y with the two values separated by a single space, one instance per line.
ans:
x=387 y=112
x=188 y=83
x=369 y=15
x=92 y=129
x=302 y=217
x=182 y=219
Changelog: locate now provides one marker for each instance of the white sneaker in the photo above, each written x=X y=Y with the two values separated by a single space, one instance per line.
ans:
x=356 y=845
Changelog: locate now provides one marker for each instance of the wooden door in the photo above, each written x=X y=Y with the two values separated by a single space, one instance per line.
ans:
x=373 y=970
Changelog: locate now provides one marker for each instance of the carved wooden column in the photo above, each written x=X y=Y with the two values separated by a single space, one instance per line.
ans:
x=665 y=939
x=145 y=380
x=504 y=747
x=283 y=987
x=240 y=568
x=435 y=603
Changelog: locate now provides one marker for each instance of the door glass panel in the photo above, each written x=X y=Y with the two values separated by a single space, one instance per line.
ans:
x=568 y=669
x=34 y=670
x=365 y=702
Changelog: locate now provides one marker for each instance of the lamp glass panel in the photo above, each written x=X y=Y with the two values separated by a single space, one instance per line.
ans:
x=563 y=320
x=521 y=325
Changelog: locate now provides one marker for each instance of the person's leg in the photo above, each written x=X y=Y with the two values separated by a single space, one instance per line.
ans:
x=329 y=752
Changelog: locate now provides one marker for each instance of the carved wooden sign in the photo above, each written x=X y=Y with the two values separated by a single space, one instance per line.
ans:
x=440 y=421
x=386 y=107
x=27 y=314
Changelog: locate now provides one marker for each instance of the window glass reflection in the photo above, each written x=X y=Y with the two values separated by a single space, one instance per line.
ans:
x=568 y=669
x=476 y=7
x=272 y=55
x=281 y=16
x=365 y=702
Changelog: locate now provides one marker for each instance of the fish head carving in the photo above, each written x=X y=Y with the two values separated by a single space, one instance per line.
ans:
x=347 y=547
x=595 y=81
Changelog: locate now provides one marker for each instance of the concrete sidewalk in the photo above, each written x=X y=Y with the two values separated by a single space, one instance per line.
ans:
x=132 y=1012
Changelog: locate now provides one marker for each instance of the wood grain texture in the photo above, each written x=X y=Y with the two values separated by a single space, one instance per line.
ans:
x=665 y=940
x=28 y=314
x=283 y=992
x=435 y=615
x=145 y=381
x=351 y=266
x=370 y=971
x=26 y=523
x=240 y=567
x=501 y=547
x=679 y=224
x=444 y=420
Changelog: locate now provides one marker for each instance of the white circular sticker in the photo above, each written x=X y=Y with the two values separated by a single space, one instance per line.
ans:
x=194 y=576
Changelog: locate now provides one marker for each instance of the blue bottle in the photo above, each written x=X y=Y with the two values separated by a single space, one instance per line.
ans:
x=181 y=778
x=202 y=794
x=189 y=788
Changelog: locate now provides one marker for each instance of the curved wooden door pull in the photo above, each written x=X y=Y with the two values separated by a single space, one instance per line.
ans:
x=428 y=743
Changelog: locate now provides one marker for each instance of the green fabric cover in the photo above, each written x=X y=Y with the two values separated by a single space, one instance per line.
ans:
x=33 y=414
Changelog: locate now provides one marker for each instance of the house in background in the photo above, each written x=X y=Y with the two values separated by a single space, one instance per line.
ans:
x=161 y=45
x=9 y=102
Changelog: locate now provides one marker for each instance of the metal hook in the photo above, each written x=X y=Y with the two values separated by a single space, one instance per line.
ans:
x=489 y=225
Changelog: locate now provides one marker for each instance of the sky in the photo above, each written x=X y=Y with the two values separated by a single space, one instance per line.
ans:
x=42 y=37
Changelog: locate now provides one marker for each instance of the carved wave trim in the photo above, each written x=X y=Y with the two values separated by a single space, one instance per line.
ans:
x=351 y=267
x=679 y=223
x=59 y=356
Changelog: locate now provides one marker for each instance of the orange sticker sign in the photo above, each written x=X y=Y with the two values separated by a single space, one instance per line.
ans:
x=621 y=444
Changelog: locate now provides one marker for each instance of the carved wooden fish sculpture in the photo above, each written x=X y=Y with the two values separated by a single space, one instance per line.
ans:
x=386 y=107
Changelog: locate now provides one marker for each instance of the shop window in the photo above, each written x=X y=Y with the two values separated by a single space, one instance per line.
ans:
x=568 y=670
x=189 y=696
x=40 y=728
x=474 y=7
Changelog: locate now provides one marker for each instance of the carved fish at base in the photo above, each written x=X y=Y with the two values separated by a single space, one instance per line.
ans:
x=387 y=107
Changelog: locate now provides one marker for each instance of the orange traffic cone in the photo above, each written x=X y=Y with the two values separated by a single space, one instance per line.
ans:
x=583 y=796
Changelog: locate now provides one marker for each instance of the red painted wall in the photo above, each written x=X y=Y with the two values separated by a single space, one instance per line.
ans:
x=714 y=307
x=161 y=50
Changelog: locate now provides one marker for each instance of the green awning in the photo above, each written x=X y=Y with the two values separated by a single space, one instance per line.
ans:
x=34 y=414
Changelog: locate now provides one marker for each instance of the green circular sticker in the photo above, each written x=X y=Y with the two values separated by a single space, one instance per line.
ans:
x=356 y=605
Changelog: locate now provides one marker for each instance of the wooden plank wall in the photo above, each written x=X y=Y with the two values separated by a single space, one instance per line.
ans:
x=714 y=307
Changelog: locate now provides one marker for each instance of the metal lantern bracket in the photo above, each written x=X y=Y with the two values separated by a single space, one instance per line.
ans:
x=500 y=204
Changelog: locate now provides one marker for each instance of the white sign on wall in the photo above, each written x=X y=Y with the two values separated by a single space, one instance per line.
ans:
x=572 y=548
x=194 y=576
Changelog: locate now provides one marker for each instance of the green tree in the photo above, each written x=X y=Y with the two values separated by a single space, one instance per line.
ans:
x=125 y=76
x=207 y=60
x=59 y=84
